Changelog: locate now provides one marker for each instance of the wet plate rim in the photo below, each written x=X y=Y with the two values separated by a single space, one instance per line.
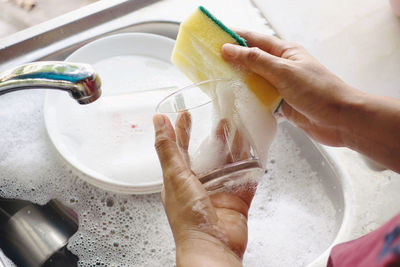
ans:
x=165 y=46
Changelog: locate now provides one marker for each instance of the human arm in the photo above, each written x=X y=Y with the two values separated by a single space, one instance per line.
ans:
x=372 y=127
x=317 y=101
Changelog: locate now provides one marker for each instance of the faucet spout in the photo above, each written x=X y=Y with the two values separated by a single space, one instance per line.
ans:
x=79 y=80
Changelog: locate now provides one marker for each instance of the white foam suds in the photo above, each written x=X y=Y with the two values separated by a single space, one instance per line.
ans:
x=208 y=155
x=255 y=121
x=291 y=220
x=243 y=113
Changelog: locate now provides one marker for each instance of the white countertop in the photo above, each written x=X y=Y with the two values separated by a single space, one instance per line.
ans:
x=359 y=40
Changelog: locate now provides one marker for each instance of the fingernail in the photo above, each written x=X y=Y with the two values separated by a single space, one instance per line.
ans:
x=158 y=121
x=279 y=107
x=229 y=50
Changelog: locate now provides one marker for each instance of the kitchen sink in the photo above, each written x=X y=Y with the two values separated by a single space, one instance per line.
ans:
x=143 y=216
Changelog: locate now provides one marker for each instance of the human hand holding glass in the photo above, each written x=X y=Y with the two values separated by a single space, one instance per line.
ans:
x=212 y=134
x=209 y=229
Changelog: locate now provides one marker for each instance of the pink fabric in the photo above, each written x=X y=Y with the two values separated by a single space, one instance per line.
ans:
x=395 y=6
x=378 y=248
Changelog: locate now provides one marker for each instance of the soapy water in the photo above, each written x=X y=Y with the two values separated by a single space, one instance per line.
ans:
x=101 y=136
x=291 y=220
x=106 y=135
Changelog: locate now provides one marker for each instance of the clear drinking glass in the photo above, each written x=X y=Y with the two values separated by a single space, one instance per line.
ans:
x=209 y=136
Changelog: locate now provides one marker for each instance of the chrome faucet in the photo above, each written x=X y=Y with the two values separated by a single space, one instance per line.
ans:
x=79 y=80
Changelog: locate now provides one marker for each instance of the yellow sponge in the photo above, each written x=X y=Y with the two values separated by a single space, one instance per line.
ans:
x=197 y=54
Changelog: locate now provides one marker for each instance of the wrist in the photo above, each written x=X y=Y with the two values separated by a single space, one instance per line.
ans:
x=370 y=126
x=351 y=115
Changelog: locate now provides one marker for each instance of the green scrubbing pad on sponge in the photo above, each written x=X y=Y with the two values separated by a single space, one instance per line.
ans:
x=197 y=53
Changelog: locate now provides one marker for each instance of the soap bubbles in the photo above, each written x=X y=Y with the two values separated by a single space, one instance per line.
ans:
x=136 y=228
x=291 y=219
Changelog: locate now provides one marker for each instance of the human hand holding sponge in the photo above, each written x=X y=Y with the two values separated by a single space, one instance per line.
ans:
x=197 y=54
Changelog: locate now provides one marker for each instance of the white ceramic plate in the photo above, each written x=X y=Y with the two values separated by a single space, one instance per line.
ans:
x=111 y=140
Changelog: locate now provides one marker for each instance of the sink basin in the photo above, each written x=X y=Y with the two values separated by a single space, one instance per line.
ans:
x=301 y=199
x=301 y=181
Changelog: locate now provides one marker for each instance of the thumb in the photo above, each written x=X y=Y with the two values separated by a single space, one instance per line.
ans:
x=182 y=190
x=172 y=164
x=253 y=59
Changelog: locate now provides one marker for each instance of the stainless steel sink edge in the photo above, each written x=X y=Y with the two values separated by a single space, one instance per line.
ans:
x=29 y=45
x=164 y=28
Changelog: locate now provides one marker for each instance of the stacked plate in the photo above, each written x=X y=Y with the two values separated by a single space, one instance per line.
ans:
x=111 y=140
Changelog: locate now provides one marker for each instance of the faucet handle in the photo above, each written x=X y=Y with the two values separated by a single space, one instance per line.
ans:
x=80 y=80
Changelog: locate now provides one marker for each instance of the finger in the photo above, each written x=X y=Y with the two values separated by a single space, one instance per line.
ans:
x=172 y=163
x=222 y=131
x=268 y=43
x=185 y=200
x=182 y=129
x=240 y=147
x=253 y=59
x=247 y=192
